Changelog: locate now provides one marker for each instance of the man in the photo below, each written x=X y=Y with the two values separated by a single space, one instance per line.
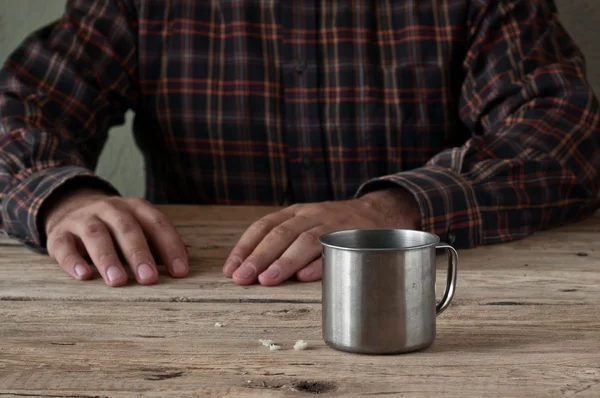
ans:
x=468 y=119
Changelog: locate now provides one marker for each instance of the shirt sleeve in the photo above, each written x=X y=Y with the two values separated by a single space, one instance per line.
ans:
x=533 y=159
x=60 y=92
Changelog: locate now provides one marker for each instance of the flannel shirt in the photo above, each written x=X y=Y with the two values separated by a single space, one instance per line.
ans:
x=479 y=108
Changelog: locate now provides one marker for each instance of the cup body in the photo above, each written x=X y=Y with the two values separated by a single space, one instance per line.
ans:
x=378 y=290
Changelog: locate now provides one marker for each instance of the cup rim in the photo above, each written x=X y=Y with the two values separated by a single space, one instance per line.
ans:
x=435 y=239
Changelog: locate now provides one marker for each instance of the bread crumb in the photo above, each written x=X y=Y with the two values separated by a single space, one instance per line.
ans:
x=219 y=325
x=266 y=343
x=300 y=345
x=271 y=344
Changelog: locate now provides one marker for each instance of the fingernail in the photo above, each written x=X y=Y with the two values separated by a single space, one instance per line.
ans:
x=231 y=265
x=179 y=267
x=113 y=273
x=245 y=271
x=271 y=273
x=80 y=270
x=145 y=271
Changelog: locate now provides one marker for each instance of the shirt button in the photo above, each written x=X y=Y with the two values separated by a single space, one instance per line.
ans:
x=451 y=238
x=300 y=65
x=306 y=162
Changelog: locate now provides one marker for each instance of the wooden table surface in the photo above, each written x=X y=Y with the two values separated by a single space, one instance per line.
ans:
x=524 y=322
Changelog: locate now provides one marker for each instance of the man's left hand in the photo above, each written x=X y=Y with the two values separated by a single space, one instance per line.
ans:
x=285 y=243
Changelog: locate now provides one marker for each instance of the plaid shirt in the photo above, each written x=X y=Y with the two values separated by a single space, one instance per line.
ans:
x=479 y=108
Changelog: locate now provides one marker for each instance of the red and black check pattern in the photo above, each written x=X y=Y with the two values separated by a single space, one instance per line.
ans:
x=479 y=108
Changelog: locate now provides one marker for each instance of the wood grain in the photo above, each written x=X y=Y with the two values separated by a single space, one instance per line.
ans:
x=557 y=266
x=145 y=349
x=524 y=322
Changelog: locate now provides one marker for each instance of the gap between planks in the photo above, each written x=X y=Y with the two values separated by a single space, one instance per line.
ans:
x=455 y=302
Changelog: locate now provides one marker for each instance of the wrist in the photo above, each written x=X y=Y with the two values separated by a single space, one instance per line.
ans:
x=65 y=199
x=397 y=205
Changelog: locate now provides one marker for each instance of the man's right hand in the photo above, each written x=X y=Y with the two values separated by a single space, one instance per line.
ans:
x=92 y=223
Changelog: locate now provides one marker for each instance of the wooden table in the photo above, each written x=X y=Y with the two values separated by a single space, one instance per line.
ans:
x=524 y=322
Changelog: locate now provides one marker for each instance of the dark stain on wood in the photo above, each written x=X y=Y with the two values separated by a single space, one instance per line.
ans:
x=507 y=303
x=163 y=376
x=148 y=336
x=287 y=313
x=314 y=387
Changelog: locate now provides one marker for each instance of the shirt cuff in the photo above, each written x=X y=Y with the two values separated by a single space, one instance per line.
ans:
x=446 y=200
x=23 y=201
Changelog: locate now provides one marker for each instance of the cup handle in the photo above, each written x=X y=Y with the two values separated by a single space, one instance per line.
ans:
x=451 y=279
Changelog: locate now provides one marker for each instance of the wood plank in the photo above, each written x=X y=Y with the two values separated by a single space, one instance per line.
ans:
x=533 y=278
x=148 y=349
x=553 y=267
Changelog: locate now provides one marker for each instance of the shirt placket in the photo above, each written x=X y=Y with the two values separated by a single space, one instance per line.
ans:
x=307 y=178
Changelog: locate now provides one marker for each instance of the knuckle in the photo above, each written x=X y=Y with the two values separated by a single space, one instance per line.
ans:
x=107 y=205
x=257 y=257
x=56 y=242
x=262 y=225
x=69 y=260
x=343 y=219
x=240 y=251
x=282 y=231
x=160 y=220
x=295 y=207
x=138 y=253
x=174 y=245
x=105 y=256
x=93 y=229
x=302 y=218
x=286 y=263
x=308 y=210
x=125 y=224
x=137 y=202
x=309 y=238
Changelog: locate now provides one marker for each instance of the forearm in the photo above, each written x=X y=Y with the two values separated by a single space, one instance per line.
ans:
x=535 y=163
x=534 y=155
x=60 y=92
x=395 y=204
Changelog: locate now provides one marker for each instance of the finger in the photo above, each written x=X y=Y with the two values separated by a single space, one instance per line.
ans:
x=63 y=249
x=301 y=253
x=130 y=237
x=252 y=237
x=163 y=237
x=99 y=245
x=271 y=247
x=312 y=272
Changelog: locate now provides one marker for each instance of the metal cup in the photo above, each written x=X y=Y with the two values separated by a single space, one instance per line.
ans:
x=379 y=289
